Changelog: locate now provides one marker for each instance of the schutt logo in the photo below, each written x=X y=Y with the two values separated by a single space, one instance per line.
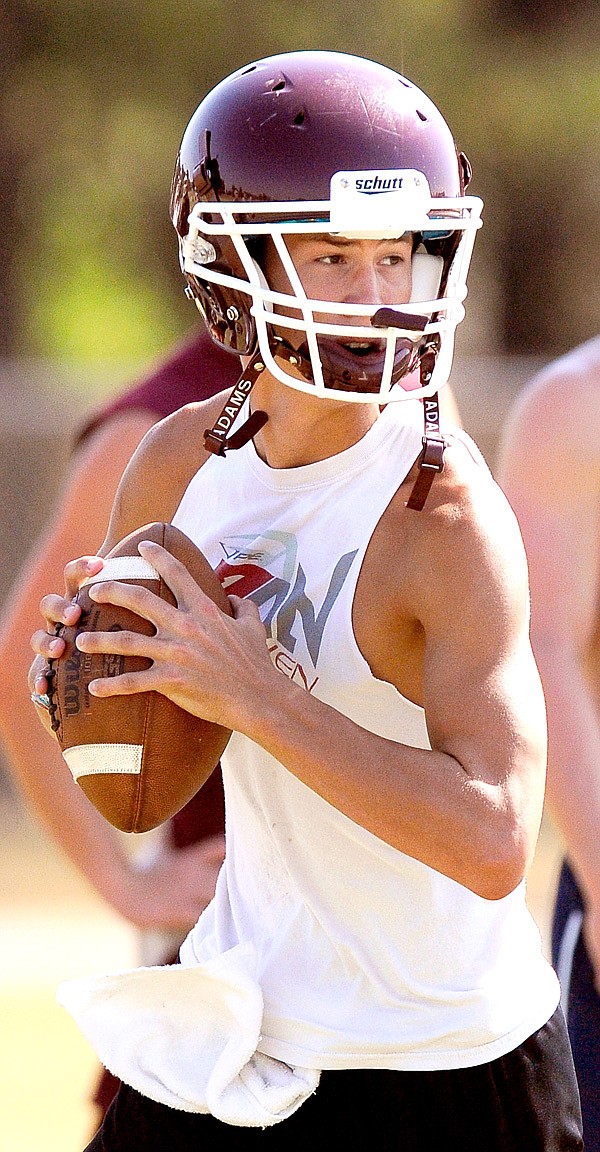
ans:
x=374 y=185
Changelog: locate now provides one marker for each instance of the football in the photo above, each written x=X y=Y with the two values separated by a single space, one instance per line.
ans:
x=138 y=758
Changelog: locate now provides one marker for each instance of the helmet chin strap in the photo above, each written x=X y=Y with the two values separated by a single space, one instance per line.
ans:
x=431 y=459
x=219 y=441
x=217 y=438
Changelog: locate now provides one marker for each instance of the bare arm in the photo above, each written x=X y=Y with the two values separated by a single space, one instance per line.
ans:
x=550 y=470
x=77 y=525
x=471 y=806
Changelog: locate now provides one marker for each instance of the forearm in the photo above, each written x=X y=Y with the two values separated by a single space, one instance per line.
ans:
x=421 y=801
x=45 y=782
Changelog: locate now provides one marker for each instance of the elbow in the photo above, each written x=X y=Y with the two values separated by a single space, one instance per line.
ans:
x=503 y=861
x=498 y=881
x=491 y=867
x=508 y=824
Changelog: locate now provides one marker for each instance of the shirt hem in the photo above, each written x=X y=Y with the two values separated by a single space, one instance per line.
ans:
x=413 y=1061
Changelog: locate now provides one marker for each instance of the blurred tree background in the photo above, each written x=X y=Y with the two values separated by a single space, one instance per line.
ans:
x=95 y=95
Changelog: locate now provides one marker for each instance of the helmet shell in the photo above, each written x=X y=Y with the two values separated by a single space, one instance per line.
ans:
x=278 y=129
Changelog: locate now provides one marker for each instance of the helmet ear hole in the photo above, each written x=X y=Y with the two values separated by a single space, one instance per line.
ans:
x=426 y=276
x=225 y=314
x=466 y=170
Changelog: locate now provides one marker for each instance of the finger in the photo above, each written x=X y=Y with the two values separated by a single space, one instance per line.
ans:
x=76 y=571
x=58 y=610
x=40 y=685
x=122 y=643
x=47 y=645
x=36 y=677
x=135 y=597
x=127 y=684
x=245 y=610
x=174 y=573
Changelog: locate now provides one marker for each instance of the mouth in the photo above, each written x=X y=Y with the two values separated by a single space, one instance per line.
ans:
x=364 y=348
x=353 y=365
x=356 y=365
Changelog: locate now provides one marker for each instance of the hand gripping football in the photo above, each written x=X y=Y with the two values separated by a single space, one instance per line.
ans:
x=138 y=758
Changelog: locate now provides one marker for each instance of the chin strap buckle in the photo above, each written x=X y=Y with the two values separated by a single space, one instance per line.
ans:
x=431 y=460
x=217 y=439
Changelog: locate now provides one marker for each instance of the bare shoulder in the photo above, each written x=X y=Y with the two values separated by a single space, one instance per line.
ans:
x=562 y=398
x=160 y=470
x=449 y=579
x=465 y=545
x=176 y=444
x=550 y=444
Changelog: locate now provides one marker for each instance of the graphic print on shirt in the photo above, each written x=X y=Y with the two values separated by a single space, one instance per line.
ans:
x=267 y=570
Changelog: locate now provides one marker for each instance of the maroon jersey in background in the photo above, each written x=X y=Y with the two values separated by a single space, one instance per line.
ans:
x=195 y=370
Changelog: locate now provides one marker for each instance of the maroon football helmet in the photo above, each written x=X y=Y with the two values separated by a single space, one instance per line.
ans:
x=332 y=143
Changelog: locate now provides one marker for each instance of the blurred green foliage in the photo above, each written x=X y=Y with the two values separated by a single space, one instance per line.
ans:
x=95 y=97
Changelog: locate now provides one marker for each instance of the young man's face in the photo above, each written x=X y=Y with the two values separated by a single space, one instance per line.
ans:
x=376 y=272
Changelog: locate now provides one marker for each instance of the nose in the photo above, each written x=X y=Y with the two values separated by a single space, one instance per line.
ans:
x=365 y=284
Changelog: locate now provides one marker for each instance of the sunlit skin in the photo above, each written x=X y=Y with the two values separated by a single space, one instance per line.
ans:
x=349 y=271
x=352 y=271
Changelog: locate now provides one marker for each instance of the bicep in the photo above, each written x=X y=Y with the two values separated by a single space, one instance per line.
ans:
x=482 y=693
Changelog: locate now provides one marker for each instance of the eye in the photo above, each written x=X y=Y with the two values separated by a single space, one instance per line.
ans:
x=329 y=258
x=400 y=255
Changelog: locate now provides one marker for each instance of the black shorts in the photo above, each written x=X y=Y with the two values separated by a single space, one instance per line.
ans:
x=526 y=1101
x=580 y=1000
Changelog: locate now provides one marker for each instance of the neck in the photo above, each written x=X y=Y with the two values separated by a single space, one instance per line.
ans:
x=302 y=429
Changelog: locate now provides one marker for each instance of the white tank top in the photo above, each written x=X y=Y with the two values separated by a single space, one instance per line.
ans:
x=365 y=956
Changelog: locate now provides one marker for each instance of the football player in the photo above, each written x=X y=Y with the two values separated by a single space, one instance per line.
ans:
x=368 y=971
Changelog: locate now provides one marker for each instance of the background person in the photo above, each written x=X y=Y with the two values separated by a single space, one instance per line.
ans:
x=549 y=467
x=163 y=891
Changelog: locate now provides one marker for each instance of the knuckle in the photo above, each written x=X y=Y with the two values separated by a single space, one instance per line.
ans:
x=143 y=596
x=48 y=606
x=102 y=589
x=129 y=642
x=177 y=680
